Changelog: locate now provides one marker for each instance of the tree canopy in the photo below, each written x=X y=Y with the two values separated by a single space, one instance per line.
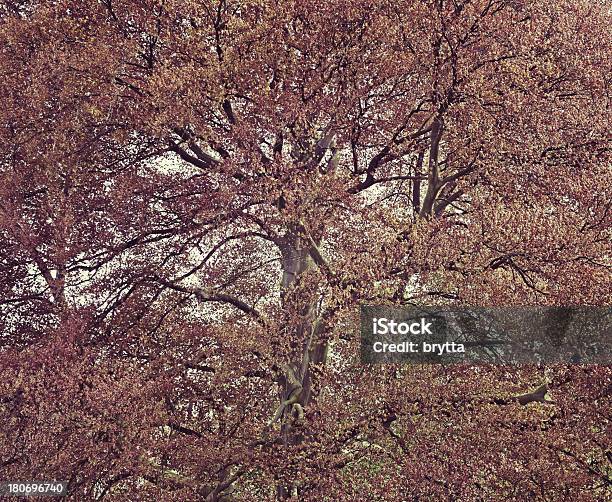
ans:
x=196 y=197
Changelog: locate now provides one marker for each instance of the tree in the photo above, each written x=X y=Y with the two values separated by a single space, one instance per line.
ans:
x=197 y=196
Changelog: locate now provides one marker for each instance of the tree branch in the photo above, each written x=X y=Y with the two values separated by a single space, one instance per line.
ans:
x=205 y=162
x=210 y=295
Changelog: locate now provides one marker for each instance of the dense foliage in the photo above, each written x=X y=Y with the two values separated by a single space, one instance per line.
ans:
x=196 y=196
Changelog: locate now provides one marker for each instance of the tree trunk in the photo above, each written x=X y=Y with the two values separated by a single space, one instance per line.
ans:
x=433 y=181
x=307 y=350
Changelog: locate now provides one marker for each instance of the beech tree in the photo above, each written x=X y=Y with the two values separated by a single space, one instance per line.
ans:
x=196 y=197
